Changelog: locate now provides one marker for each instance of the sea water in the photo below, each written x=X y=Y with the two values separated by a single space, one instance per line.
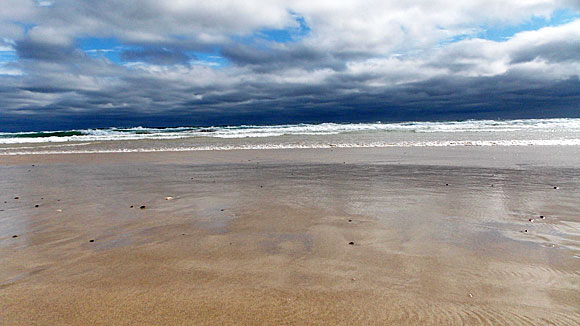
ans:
x=529 y=132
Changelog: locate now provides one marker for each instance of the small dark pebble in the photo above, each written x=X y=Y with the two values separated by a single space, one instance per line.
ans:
x=16 y=197
x=36 y=205
x=32 y=164
x=349 y=221
x=222 y=209
x=556 y=188
x=183 y=234
x=542 y=217
x=261 y=186
x=351 y=243
x=492 y=185
x=91 y=240
x=526 y=231
x=143 y=207
x=15 y=236
x=531 y=219
x=132 y=206
x=446 y=184
x=230 y=243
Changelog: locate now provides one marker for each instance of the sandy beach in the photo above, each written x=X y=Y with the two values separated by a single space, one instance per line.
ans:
x=385 y=236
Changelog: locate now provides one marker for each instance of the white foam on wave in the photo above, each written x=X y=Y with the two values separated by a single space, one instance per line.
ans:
x=486 y=143
x=247 y=131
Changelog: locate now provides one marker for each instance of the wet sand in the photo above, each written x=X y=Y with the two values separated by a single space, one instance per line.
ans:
x=264 y=237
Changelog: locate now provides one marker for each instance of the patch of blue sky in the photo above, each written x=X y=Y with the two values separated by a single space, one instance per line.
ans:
x=109 y=48
x=285 y=35
x=211 y=59
x=503 y=33
x=500 y=33
x=7 y=54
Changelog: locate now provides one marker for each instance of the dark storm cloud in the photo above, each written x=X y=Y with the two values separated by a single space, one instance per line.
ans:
x=263 y=60
x=28 y=49
x=565 y=50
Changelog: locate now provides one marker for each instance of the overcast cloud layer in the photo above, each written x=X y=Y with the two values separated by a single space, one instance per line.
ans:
x=78 y=63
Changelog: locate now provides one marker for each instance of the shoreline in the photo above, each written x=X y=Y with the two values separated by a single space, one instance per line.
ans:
x=552 y=156
x=321 y=236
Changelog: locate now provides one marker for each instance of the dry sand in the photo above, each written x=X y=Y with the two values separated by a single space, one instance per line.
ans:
x=262 y=237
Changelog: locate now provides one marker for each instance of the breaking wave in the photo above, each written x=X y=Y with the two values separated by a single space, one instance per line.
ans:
x=250 y=131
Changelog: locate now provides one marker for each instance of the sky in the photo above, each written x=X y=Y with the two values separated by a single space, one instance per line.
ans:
x=71 y=64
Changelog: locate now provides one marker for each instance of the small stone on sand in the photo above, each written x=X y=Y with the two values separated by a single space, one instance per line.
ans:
x=351 y=243
x=143 y=207
x=91 y=240
x=36 y=205
x=542 y=217
x=556 y=187
x=470 y=295
x=526 y=231
x=531 y=220
x=16 y=197
x=168 y=198
x=131 y=206
x=446 y=184
x=59 y=210
x=349 y=221
x=15 y=236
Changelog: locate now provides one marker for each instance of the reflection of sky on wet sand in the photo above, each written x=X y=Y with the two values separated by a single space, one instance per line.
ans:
x=436 y=229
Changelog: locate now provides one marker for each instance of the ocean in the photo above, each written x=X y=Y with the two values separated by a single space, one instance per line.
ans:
x=528 y=132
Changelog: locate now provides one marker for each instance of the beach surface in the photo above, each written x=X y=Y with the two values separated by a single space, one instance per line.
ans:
x=334 y=236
